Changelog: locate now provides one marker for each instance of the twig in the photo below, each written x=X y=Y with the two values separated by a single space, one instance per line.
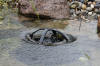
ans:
x=80 y=19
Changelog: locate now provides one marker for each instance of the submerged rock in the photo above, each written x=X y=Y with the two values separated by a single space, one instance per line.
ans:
x=57 y=9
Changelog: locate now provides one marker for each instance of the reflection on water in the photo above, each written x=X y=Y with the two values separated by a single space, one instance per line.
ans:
x=31 y=22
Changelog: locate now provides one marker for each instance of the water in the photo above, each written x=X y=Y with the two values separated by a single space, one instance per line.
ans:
x=16 y=52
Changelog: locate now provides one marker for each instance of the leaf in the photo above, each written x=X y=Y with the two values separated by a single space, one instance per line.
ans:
x=87 y=56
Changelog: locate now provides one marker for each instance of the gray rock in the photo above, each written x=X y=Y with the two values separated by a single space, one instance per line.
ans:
x=89 y=9
x=76 y=4
x=57 y=9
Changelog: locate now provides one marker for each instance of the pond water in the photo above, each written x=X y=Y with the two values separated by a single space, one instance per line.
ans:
x=85 y=51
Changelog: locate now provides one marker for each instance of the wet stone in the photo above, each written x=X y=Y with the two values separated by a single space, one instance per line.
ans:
x=49 y=37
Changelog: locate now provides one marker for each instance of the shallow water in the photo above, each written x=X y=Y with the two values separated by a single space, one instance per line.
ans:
x=16 y=52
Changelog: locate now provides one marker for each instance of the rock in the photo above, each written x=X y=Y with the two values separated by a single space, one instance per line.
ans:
x=90 y=13
x=89 y=9
x=75 y=4
x=72 y=11
x=83 y=6
x=78 y=12
x=96 y=10
x=97 y=5
x=92 y=6
x=57 y=9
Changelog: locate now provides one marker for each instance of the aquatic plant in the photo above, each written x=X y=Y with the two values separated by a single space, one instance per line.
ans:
x=6 y=9
x=7 y=3
x=34 y=9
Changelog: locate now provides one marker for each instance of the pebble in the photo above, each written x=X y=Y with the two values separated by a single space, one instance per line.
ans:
x=1 y=22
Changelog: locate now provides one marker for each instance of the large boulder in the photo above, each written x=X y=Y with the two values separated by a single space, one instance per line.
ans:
x=57 y=9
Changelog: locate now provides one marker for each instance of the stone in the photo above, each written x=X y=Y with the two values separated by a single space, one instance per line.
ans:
x=83 y=6
x=75 y=4
x=96 y=10
x=90 y=13
x=92 y=5
x=57 y=9
x=89 y=9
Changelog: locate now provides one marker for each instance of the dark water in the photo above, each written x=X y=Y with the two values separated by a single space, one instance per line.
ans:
x=16 y=52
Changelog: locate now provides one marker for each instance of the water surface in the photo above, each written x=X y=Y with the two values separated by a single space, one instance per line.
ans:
x=16 y=52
